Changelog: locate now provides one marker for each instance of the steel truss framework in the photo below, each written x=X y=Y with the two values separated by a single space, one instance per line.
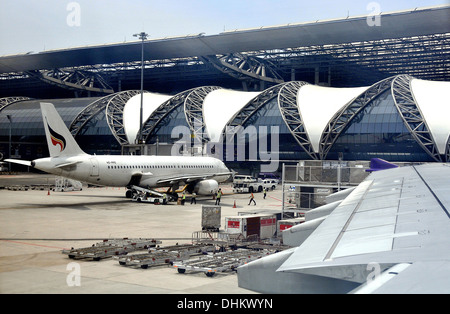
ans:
x=412 y=116
x=424 y=57
x=343 y=117
x=447 y=150
x=10 y=100
x=287 y=102
x=74 y=79
x=113 y=106
x=152 y=124
x=193 y=109
x=241 y=117
x=114 y=114
x=245 y=67
x=406 y=105
x=85 y=116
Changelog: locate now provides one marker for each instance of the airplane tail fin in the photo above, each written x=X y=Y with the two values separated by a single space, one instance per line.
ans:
x=59 y=139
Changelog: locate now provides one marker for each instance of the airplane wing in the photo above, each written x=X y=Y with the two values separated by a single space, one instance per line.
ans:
x=191 y=178
x=389 y=235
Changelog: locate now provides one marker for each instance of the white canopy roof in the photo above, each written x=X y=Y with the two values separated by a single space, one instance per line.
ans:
x=318 y=104
x=131 y=112
x=219 y=107
x=433 y=99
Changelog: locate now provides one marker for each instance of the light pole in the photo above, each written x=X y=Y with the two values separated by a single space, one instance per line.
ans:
x=9 y=146
x=142 y=36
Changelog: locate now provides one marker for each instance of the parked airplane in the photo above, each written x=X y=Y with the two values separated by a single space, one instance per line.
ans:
x=200 y=174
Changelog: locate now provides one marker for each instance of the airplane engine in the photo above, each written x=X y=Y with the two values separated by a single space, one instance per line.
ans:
x=206 y=187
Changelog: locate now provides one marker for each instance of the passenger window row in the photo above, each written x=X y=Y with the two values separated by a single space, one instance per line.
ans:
x=160 y=167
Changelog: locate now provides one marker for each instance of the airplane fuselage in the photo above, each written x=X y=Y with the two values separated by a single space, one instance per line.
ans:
x=199 y=174
x=118 y=170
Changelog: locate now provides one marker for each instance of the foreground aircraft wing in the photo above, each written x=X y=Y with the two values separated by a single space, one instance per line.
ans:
x=191 y=178
x=391 y=234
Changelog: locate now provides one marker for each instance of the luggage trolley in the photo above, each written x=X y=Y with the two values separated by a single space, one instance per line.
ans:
x=110 y=247
x=163 y=255
x=219 y=262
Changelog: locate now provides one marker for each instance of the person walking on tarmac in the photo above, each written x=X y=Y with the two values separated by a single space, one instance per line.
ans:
x=252 y=199
x=193 y=200
x=265 y=192
x=218 y=196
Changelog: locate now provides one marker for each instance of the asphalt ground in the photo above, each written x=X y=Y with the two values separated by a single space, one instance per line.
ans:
x=36 y=225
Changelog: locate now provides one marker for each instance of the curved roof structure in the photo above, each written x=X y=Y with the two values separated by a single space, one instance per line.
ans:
x=415 y=22
x=400 y=118
x=347 y=51
x=218 y=108
x=328 y=100
x=433 y=100
x=131 y=112
x=319 y=117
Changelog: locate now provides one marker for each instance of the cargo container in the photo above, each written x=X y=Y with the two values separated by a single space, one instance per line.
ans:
x=288 y=223
x=262 y=225
x=211 y=216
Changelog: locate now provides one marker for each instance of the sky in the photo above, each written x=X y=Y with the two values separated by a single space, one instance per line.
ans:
x=32 y=26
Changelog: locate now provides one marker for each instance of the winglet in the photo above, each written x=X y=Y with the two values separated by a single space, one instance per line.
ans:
x=377 y=164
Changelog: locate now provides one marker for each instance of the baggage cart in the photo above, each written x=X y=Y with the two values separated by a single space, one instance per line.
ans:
x=219 y=262
x=110 y=247
x=163 y=255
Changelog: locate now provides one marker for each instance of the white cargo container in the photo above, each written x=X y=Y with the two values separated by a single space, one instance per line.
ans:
x=288 y=223
x=262 y=225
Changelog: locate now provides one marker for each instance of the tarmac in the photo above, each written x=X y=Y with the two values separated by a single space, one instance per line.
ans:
x=36 y=225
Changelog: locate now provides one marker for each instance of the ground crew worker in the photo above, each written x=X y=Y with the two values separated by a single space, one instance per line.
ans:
x=193 y=200
x=265 y=192
x=252 y=199
x=183 y=198
x=218 y=196
x=164 y=199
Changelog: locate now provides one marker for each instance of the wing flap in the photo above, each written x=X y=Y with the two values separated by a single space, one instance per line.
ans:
x=421 y=277
x=391 y=217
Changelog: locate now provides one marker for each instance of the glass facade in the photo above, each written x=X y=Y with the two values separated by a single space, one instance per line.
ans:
x=264 y=120
x=96 y=138
x=164 y=129
x=378 y=131
x=27 y=129
x=28 y=135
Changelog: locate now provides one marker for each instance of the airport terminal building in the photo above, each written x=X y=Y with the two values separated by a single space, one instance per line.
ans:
x=399 y=119
x=351 y=96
